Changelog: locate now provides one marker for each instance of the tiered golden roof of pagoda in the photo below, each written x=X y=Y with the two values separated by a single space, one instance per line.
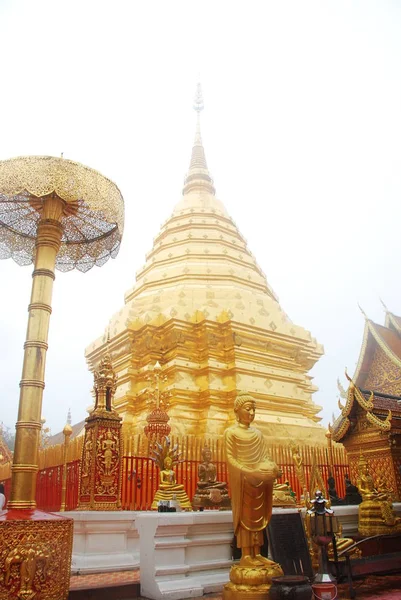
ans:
x=202 y=306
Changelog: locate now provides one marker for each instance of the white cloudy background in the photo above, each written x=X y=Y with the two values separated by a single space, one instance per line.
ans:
x=302 y=130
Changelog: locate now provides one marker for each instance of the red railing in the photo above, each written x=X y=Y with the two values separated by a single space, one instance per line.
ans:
x=140 y=478
x=140 y=481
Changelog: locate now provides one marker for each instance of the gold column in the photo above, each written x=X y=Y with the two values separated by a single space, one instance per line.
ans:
x=330 y=450
x=67 y=431
x=25 y=463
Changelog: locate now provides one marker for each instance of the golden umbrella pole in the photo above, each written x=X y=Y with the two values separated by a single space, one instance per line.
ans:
x=59 y=214
x=25 y=463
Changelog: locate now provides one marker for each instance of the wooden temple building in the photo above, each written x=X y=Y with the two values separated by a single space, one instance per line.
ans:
x=370 y=419
x=202 y=307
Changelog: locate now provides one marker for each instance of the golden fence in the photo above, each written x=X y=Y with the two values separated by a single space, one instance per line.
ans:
x=140 y=474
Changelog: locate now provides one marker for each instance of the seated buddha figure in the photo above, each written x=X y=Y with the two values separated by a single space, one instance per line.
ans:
x=376 y=513
x=209 y=492
x=169 y=489
x=282 y=493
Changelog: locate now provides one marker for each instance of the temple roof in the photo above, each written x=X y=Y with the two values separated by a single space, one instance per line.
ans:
x=383 y=412
x=377 y=336
x=376 y=385
x=58 y=438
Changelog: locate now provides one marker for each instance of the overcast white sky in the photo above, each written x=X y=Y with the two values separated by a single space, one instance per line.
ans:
x=302 y=131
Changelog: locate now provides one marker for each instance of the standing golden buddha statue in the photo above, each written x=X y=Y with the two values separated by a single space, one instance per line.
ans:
x=252 y=474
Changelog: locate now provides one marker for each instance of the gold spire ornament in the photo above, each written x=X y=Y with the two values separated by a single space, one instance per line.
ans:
x=157 y=427
x=58 y=214
x=100 y=473
x=198 y=176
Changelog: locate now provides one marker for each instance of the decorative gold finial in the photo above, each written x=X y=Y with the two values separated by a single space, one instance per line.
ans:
x=198 y=177
x=362 y=311
x=198 y=101
x=384 y=306
x=341 y=389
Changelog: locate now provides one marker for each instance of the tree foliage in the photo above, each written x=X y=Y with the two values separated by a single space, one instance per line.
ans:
x=8 y=435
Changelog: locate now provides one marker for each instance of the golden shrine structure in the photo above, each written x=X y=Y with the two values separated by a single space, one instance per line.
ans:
x=370 y=419
x=203 y=308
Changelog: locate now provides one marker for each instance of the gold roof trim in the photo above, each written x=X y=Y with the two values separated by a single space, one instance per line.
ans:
x=338 y=434
x=383 y=425
x=363 y=349
x=357 y=394
x=365 y=404
x=394 y=321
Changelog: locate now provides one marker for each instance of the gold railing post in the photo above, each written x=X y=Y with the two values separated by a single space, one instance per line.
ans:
x=67 y=431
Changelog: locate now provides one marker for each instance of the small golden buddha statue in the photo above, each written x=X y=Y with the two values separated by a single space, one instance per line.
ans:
x=282 y=494
x=375 y=515
x=169 y=489
x=252 y=474
x=209 y=491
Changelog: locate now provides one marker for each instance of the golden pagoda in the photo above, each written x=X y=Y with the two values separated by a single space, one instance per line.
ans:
x=203 y=308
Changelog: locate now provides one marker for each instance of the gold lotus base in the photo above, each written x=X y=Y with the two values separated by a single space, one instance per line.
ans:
x=251 y=583
x=377 y=518
x=35 y=555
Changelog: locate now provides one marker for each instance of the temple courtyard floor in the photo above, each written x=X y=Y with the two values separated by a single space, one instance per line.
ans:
x=125 y=585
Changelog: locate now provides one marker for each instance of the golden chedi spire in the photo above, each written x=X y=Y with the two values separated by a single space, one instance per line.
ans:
x=198 y=176
x=202 y=306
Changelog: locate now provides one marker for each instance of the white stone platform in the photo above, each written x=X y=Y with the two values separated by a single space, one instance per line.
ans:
x=181 y=555
x=184 y=555
x=104 y=541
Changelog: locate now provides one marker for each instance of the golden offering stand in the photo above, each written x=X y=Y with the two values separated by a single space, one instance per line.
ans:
x=55 y=213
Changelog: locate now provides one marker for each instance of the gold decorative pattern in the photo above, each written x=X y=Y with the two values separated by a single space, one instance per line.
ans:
x=35 y=559
x=100 y=474
x=384 y=375
x=395 y=359
x=92 y=219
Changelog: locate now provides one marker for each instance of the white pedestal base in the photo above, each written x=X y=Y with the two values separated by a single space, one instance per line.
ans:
x=104 y=541
x=184 y=555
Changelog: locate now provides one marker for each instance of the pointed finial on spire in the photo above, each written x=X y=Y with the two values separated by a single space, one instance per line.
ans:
x=69 y=417
x=198 y=102
x=198 y=177
x=363 y=312
x=384 y=306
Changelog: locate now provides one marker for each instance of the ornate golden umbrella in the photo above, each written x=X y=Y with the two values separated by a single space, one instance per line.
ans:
x=58 y=214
